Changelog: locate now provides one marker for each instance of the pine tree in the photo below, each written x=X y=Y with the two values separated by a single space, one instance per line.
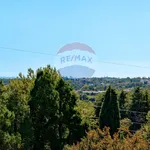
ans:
x=19 y=94
x=122 y=99
x=44 y=108
x=139 y=105
x=68 y=115
x=8 y=139
x=98 y=103
x=55 y=122
x=136 y=99
x=146 y=101
x=110 y=115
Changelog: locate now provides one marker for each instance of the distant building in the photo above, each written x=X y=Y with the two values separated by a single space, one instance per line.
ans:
x=92 y=92
x=91 y=84
x=144 y=81
x=127 y=90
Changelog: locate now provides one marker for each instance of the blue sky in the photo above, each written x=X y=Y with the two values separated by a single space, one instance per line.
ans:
x=118 y=31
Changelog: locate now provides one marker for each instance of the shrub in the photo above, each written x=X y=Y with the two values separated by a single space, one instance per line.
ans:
x=101 y=140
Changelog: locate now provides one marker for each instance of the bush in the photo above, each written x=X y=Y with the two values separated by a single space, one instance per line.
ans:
x=101 y=140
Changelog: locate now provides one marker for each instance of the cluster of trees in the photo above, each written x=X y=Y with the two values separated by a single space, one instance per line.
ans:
x=5 y=80
x=39 y=111
x=42 y=111
x=133 y=105
x=101 y=84
x=122 y=140
x=101 y=139
x=115 y=128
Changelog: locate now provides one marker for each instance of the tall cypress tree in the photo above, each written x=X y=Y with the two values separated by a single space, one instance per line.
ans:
x=110 y=115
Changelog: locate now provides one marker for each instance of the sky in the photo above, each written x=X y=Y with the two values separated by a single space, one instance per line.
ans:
x=118 y=32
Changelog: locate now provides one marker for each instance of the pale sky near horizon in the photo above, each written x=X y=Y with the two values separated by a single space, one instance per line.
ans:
x=118 y=31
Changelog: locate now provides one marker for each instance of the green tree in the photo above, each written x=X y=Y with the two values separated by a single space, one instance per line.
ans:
x=140 y=108
x=145 y=105
x=98 y=103
x=19 y=94
x=8 y=139
x=137 y=99
x=44 y=109
x=87 y=111
x=110 y=115
x=122 y=101
x=69 y=120
x=146 y=127
x=55 y=121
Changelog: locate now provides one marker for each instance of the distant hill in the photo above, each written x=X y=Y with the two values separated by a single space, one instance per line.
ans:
x=5 y=80
x=101 y=84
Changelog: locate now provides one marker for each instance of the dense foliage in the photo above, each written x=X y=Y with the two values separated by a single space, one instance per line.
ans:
x=101 y=140
x=110 y=114
x=43 y=111
x=38 y=112
x=92 y=84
